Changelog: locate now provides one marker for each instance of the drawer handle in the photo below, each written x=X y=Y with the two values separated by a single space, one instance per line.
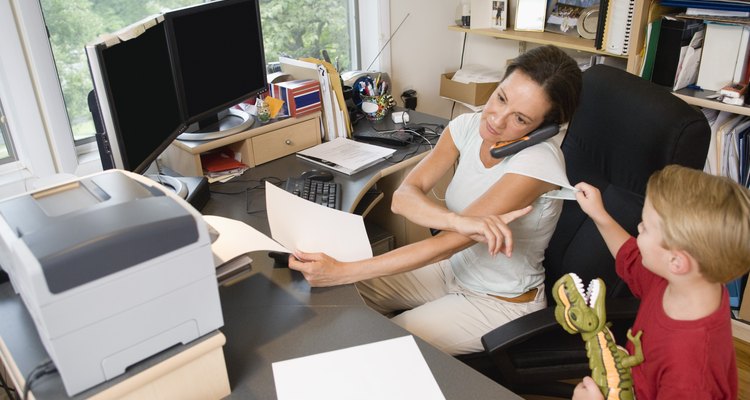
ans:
x=288 y=141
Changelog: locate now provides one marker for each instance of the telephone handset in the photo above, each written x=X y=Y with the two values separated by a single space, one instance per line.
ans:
x=504 y=149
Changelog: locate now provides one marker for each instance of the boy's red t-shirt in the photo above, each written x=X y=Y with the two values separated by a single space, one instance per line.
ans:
x=682 y=359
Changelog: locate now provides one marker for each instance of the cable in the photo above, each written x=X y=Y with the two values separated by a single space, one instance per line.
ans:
x=387 y=41
x=46 y=368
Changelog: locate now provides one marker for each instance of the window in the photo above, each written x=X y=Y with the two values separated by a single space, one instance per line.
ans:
x=290 y=28
x=7 y=153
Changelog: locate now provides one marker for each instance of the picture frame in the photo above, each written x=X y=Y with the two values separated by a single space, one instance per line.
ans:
x=530 y=15
x=563 y=16
x=499 y=15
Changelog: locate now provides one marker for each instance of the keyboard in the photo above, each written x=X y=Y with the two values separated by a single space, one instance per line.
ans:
x=324 y=193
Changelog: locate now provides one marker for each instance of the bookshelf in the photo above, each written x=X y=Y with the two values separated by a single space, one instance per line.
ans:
x=700 y=99
x=637 y=36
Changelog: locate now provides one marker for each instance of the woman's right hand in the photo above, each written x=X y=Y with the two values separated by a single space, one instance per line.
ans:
x=320 y=269
x=491 y=229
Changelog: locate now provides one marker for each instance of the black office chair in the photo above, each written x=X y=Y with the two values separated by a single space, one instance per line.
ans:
x=624 y=130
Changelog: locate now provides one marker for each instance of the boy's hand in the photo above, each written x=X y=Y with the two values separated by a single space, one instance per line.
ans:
x=590 y=200
x=587 y=390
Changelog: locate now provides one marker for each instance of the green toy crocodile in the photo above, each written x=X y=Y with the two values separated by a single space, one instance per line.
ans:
x=583 y=312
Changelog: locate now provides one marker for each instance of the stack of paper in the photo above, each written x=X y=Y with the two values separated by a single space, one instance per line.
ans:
x=222 y=165
x=345 y=155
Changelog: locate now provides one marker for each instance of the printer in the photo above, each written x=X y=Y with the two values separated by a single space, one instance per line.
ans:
x=113 y=268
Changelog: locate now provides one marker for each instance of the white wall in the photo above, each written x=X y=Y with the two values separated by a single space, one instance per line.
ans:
x=424 y=48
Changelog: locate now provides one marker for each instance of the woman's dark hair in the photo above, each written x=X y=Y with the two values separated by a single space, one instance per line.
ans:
x=557 y=73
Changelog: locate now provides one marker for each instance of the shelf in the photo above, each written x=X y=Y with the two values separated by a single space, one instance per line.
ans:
x=700 y=98
x=564 y=41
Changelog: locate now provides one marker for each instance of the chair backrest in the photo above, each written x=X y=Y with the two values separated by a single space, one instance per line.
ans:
x=624 y=129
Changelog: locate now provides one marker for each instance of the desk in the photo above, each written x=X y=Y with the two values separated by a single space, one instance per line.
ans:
x=274 y=315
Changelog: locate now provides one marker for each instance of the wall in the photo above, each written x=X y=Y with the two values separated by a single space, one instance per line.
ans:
x=424 y=48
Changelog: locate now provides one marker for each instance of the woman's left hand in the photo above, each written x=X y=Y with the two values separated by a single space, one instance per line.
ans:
x=320 y=270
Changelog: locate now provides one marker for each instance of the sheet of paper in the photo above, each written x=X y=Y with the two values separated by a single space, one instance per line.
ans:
x=477 y=74
x=299 y=224
x=392 y=369
x=237 y=238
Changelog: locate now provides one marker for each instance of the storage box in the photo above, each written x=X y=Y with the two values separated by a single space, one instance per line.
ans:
x=300 y=97
x=475 y=94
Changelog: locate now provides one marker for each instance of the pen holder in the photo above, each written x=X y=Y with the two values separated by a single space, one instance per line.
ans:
x=375 y=107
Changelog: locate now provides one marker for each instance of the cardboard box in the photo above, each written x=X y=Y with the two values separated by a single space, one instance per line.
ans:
x=744 y=312
x=300 y=97
x=475 y=94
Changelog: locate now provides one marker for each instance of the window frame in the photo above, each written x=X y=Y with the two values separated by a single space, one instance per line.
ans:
x=24 y=114
x=69 y=159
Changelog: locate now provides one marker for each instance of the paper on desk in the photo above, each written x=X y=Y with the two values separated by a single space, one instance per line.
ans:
x=348 y=153
x=390 y=369
x=299 y=224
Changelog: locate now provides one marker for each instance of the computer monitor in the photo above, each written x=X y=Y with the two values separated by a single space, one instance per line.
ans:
x=218 y=61
x=159 y=76
x=136 y=95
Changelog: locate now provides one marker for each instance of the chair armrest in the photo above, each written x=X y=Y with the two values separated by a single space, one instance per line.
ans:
x=531 y=325
x=520 y=330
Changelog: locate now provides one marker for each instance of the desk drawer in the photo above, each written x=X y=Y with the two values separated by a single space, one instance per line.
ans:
x=288 y=140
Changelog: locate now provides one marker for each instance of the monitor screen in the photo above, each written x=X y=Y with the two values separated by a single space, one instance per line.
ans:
x=217 y=53
x=137 y=97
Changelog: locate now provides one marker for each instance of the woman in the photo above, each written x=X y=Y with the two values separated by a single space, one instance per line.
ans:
x=454 y=286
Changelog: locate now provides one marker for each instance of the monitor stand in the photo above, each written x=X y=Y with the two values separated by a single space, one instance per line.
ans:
x=170 y=182
x=230 y=121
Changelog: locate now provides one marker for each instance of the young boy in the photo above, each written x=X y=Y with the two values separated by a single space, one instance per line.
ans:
x=694 y=238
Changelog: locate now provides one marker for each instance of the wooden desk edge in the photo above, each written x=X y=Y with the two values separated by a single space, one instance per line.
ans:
x=383 y=173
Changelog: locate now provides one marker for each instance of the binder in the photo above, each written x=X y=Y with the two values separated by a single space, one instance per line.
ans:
x=674 y=37
x=618 y=24
x=740 y=65
x=710 y=4
x=720 y=51
x=652 y=41
x=599 y=38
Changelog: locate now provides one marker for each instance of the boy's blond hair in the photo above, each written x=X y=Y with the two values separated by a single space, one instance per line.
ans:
x=708 y=216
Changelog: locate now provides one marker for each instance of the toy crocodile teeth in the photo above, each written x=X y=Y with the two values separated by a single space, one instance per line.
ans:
x=592 y=292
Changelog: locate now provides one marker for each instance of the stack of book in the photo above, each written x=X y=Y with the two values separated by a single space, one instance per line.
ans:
x=222 y=165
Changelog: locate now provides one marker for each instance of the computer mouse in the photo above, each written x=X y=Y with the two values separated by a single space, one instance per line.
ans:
x=317 y=175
